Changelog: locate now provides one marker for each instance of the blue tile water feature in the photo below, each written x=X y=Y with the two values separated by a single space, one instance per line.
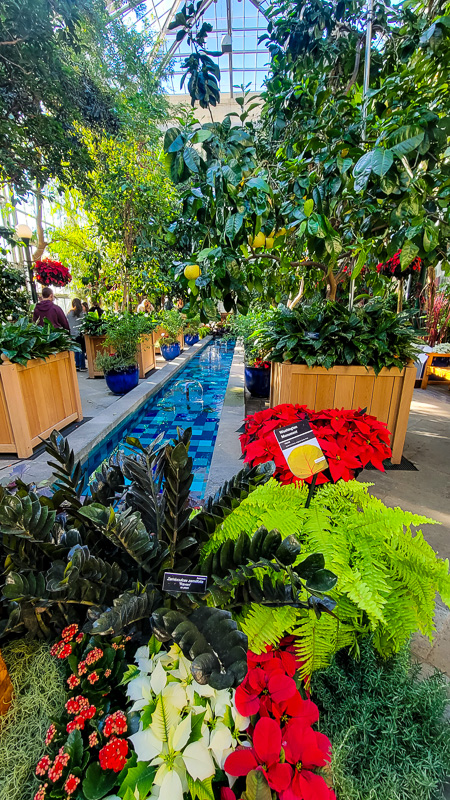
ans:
x=193 y=398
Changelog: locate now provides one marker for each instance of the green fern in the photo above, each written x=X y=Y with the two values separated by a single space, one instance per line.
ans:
x=388 y=574
x=264 y=625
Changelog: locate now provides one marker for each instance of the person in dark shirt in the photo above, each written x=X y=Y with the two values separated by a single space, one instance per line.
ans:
x=47 y=309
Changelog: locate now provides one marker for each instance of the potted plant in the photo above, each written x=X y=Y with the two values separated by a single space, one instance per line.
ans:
x=38 y=384
x=191 y=331
x=119 y=364
x=257 y=369
x=171 y=323
x=51 y=273
x=325 y=356
x=94 y=328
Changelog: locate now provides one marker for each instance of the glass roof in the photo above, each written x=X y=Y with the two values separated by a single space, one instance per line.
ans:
x=243 y=19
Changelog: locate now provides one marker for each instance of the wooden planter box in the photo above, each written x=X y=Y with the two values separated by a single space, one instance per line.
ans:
x=145 y=355
x=35 y=400
x=157 y=335
x=387 y=396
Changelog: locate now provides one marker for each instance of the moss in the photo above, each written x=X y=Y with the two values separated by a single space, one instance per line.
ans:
x=39 y=696
x=390 y=738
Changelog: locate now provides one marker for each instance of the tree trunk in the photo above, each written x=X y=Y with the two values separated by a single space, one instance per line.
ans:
x=400 y=296
x=293 y=303
x=331 y=285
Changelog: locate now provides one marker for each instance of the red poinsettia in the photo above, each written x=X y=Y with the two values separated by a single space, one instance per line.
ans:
x=51 y=273
x=392 y=267
x=350 y=440
x=260 y=689
x=265 y=755
x=305 y=750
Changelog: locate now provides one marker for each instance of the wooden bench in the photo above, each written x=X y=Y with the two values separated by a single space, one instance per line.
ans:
x=435 y=370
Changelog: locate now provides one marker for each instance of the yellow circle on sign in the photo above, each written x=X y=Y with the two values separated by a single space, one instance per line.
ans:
x=302 y=460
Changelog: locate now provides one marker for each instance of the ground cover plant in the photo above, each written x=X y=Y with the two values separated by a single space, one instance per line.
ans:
x=39 y=697
x=387 y=725
x=350 y=440
x=387 y=574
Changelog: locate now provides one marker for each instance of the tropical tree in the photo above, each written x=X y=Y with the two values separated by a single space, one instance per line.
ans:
x=335 y=181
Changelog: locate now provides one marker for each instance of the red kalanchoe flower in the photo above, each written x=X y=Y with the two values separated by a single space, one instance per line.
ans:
x=71 y=784
x=76 y=724
x=93 y=739
x=79 y=638
x=61 y=649
x=260 y=690
x=73 y=681
x=42 y=766
x=93 y=678
x=114 y=754
x=69 y=632
x=50 y=735
x=60 y=762
x=265 y=755
x=82 y=668
x=107 y=673
x=306 y=750
x=115 y=723
x=40 y=794
x=94 y=655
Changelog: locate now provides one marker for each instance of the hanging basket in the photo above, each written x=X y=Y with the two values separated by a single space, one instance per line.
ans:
x=6 y=688
x=51 y=273
x=392 y=268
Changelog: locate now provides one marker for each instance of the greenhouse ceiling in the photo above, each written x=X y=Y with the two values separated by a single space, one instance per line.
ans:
x=242 y=20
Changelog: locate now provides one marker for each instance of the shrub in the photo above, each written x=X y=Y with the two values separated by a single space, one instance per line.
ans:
x=22 y=341
x=325 y=334
x=39 y=695
x=390 y=738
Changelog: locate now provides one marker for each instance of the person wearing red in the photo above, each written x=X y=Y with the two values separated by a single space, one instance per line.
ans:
x=47 y=309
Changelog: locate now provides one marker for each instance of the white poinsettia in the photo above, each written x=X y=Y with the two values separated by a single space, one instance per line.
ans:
x=190 y=728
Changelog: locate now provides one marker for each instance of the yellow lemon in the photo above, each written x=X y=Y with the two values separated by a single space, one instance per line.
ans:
x=344 y=153
x=302 y=460
x=192 y=272
x=269 y=242
x=281 y=232
x=259 y=240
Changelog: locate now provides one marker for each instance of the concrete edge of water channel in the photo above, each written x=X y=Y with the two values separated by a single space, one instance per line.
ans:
x=226 y=460
x=85 y=438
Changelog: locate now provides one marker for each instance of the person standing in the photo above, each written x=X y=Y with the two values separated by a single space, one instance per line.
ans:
x=75 y=317
x=47 y=309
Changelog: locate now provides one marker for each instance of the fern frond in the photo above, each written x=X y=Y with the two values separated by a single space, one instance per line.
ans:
x=267 y=626
x=318 y=640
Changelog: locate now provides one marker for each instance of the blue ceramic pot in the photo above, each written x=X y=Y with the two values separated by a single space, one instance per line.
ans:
x=190 y=340
x=170 y=351
x=122 y=382
x=257 y=381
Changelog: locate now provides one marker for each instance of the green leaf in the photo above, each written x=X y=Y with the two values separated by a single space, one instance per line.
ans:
x=361 y=260
x=381 y=161
x=321 y=581
x=405 y=139
x=191 y=159
x=408 y=254
x=201 y=136
x=308 y=207
x=200 y=789
x=233 y=225
x=98 y=782
x=258 y=183
x=256 y=787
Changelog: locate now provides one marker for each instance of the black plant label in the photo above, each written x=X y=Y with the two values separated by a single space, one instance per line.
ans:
x=179 y=582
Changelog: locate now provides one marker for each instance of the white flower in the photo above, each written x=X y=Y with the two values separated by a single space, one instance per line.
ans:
x=198 y=761
x=146 y=744
x=171 y=787
x=139 y=688
x=158 y=678
x=220 y=742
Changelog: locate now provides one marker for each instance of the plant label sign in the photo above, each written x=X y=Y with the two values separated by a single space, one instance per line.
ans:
x=179 y=582
x=301 y=449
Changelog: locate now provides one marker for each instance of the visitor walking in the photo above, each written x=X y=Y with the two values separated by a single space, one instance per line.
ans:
x=47 y=309
x=75 y=317
x=85 y=307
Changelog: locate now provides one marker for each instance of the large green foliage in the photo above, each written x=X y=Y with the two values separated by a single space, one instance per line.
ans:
x=22 y=340
x=325 y=334
x=348 y=183
x=102 y=563
x=387 y=724
x=387 y=577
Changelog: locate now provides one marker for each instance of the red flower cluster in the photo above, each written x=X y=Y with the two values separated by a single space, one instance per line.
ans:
x=83 y=709
x=61 y=649
x=51 y=273
x=61 y=761
x=392 y=267
x=349 y=439
x=284 y=745
x=260 y=364
x=69 y=632
x=114 y=754
x=115 y=723
x=71 y=784
x=94 y=655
